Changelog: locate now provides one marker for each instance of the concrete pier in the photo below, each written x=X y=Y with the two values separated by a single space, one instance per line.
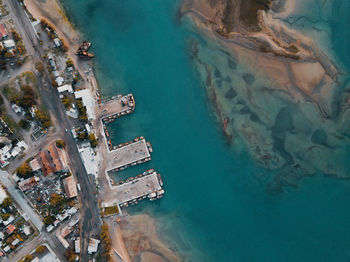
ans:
x=132 y=153
x=146 y=185
x=117 y=107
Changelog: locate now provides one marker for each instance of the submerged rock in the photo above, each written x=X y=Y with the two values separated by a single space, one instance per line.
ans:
x=232 y=64
x=231 y=93
x=248 y=78
x=319 y=137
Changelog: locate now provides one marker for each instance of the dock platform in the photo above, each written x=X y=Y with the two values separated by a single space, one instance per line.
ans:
x=116 y=107
x=129 y=154
x=129 y=192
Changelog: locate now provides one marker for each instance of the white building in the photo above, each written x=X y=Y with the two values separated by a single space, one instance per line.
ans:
x=59 y=80
x=77 y=245
x=65 y=88
x=88 y=101
x=57 y=42
x=9 y=44
x=93 y=245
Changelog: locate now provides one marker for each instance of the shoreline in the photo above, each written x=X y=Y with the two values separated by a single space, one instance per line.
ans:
x=54 y=12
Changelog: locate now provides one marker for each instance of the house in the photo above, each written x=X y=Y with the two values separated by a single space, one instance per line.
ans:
x=65 y=88
x=26 y=230
x=9 y=44
x=8 y=221
x=3 y=194
x=49 y=228
x=35 y=164
x=15 y=242
x=57 y=42
x=77 y=245
x=5 y=156
x=88 y=101
x=93 y=245
x=52 y=64
x=10 y=229
x=28 y=183
x=3 y=32
x=70 y=187
x=16 y=108
x=59 y=80
x=52 y=160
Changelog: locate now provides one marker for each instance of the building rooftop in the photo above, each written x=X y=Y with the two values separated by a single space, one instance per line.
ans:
x=93 y=245
x=65 y=88
x=9 y=44
x=10 y=229
x=3 y=194
x=35 y=164
x=88 y=101
x=70 y=186
x=52 y=160
x=3 y=32
x=28 y=183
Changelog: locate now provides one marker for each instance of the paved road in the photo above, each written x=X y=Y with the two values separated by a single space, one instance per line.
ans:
x=90 y=222
x=15 y=193
x=33 y=216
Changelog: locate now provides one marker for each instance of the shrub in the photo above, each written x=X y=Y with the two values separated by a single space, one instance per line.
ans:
x=69 y=63
x=48 y=220
x=39 y=66
x=24 y=124
x=5 y=216
x=60 y=143
x=6 y=202
x=40 y=249
x=43 y=118
x=24 y=170
x=55 y=200
x=93 y=140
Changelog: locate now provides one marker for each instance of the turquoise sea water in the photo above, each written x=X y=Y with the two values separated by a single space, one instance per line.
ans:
x=214 y=208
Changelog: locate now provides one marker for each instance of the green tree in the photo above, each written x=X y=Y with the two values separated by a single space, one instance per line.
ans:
x=69 y=255
x=28 y=258
x=48 y=220
x=69 y=63
x=82 y=136
x=40 y=249
x=39 y=66
x=9 y=55
x=28 y=98
x=93 y=140
x=6 y=202
x=5 y=216
x=43 y=118
x=60 y=143
x=55 y=200
x=105 y=242
x=24 y=170
x=24 y=124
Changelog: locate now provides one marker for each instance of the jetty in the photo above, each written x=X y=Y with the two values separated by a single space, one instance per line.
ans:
x=129 y=154
x=129 y=192
x=116 y=107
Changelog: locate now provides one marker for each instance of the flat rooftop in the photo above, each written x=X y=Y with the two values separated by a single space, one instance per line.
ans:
x=137 y=188
x=117 y=106
x=128 y=154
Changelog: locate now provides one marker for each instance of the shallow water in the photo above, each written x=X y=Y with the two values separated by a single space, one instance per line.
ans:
x=216 y=207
